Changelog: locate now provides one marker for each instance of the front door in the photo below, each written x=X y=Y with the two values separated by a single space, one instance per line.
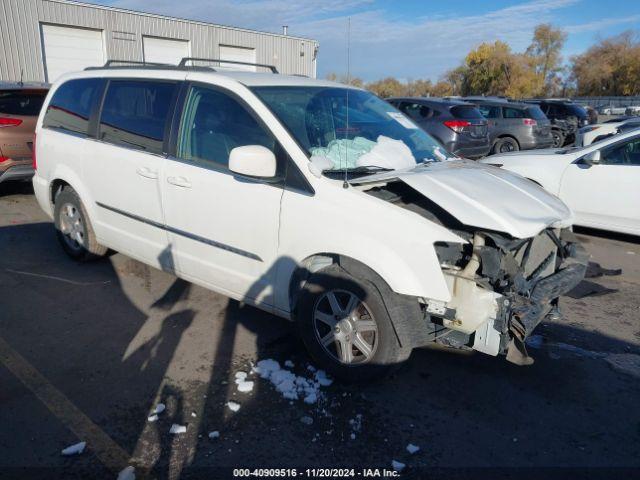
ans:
x=223 y=227
x=125 y=166
x=606 y=195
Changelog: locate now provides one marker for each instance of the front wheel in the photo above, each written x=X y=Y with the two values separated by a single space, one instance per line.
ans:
x=346 y=327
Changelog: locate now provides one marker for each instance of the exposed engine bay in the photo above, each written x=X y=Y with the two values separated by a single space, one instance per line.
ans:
x=501 y=287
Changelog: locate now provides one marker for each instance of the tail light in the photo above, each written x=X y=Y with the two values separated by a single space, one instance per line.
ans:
x=530 y=122
x=457 y=125
x=3 y=159
x=9 y=122
x=34 y=163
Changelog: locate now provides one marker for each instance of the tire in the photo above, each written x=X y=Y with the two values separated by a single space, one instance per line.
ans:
x=73 y=228
x=558 y=139
x=506 y=145
x=331 y=289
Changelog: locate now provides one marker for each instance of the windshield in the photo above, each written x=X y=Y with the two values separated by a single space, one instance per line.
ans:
x=351 y=128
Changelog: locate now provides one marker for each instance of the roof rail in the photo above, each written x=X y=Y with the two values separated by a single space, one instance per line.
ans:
x=183 y=63
x=130 y=64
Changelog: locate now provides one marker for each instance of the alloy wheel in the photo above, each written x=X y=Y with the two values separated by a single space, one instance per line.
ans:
x=71 y=226
x=345 y=327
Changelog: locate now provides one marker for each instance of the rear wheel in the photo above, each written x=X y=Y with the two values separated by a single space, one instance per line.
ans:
x=74 y=229
x=558 y=138
x=506 y=145
x=346 y=327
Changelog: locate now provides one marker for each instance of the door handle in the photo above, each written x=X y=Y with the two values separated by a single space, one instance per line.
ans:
x=179 y=182
x=147 y=173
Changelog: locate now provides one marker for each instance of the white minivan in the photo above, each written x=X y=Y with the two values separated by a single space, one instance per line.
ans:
x=309 y=199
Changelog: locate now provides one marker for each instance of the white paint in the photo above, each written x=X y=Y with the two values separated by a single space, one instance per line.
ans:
x=165 y=50
x=70 y=49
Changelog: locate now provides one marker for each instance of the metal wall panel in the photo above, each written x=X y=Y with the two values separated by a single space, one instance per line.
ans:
x=21 y=41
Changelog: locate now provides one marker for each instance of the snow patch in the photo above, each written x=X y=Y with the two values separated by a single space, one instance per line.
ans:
x=215 y=434
x=397 y=466
x=128 y=473
x=76 y=449
x=176 y=429
x=289 y=364
x=290 y=385
x=152 y=418
x=233 y=406
x=411 y=448
x=306 y=420
x=159 y=408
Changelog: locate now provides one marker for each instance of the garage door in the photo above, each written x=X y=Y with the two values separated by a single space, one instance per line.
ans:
x=164 y=50
x=69 y=49
x=238 y=54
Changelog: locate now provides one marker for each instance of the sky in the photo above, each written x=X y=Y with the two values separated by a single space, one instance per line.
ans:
x=407 y=39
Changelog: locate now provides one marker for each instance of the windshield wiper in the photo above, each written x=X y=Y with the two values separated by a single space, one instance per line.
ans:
x=362 y=170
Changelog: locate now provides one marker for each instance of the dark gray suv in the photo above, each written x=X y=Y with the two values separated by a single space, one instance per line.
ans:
x=458 y=126
x=515 y=126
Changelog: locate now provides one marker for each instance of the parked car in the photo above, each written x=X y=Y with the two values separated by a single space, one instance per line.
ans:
x=632 y=110
x=514 y=126
x=566 y=117
x=20 y=105
x=312 y=200
x=457 y=125
x=610 y=110
x=598 y=182
x=594 y=133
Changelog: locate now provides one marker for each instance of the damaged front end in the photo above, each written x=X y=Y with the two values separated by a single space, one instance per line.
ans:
x=502 y=288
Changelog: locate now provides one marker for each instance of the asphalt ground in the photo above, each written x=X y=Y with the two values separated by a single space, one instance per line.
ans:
x=88 y=350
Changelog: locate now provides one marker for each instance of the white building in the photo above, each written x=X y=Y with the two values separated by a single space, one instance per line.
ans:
x=42 y=39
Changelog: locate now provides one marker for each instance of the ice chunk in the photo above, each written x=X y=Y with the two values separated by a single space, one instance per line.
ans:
x=193 y=414
x=311 y=398
x=264 y=368
x=245 y=386
x=306 y=420
x=76 y=449
x=152 y=418
x=353 y=436
x=322 y=379
x=214 y=434
x=411 y=448
x=241 y=376
x=289 y=364
x=233 y=406
x=397 y=466
x=175 y=429
x=128 y=473
x=159 y=408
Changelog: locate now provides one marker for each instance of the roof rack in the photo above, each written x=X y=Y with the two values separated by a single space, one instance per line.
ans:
x=183 y=63
x=130 y=64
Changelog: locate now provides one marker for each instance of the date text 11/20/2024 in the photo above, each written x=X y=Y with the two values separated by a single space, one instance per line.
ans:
x=315 y=473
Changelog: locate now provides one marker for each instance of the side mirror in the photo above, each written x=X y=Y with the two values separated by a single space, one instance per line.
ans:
x=253 y=161
x=592 y=158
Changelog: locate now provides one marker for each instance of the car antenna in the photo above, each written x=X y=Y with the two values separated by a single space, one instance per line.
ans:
x=21 y=82
x=346 y=133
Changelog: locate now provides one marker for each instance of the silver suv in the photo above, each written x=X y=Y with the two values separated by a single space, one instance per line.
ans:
x=515 y=126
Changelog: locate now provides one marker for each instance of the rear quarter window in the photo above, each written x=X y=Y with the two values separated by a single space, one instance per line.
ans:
x=510 y=112
x=21 y=102
x=71 y=105
x=466 y=112
x=536 y=113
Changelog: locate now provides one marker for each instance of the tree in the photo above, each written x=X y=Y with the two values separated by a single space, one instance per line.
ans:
x=354 y=81
x=387 y=87
x=544 y=52
x=611 y=67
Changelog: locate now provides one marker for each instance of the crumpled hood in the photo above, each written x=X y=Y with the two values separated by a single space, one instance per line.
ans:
x=483 y=196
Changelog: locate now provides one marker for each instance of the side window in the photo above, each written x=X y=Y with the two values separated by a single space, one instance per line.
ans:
x=134 y=113
x=488 y=111
x=512 y=113
x=416 y=111
x=213 y=124
x=70 y=107
x=626 y=154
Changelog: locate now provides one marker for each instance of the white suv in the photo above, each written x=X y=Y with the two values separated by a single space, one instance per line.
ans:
x=309 y=199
